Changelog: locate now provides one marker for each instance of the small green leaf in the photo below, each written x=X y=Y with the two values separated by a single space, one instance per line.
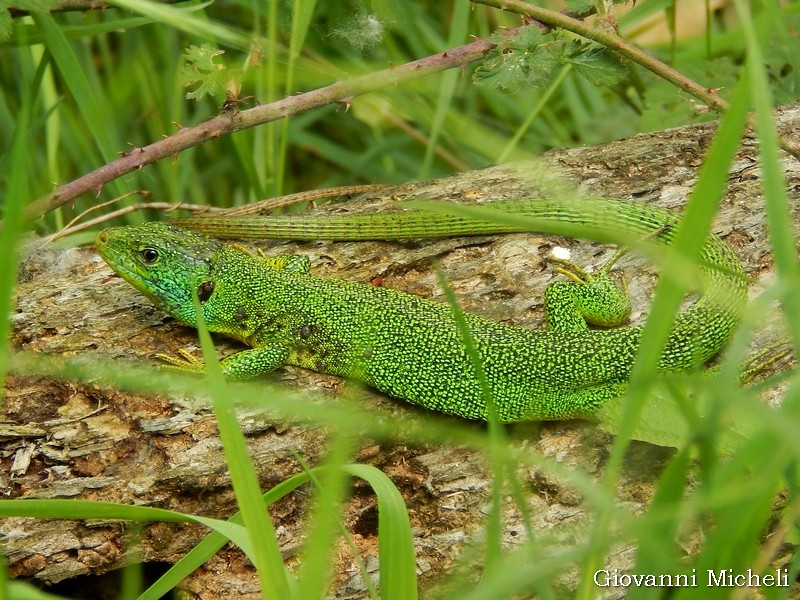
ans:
x=528 y=40
x=525 y=60
x=201 y=68
x=596 y=64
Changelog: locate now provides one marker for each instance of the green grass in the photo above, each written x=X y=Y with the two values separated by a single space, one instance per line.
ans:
x=76 y=89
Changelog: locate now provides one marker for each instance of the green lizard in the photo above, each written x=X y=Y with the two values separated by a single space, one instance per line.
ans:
x=409 y=347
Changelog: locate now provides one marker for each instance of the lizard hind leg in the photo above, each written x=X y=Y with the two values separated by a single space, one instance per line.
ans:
x=585 y=299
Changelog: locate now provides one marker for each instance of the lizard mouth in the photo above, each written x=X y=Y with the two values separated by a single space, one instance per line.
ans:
x=116 y=260
x=126 y=268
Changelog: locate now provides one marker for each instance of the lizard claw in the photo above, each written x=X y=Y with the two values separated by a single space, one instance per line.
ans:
x=569 y=269
x=186 y=362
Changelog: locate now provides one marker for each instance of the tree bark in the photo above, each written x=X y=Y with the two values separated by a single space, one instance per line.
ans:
x=68 y=439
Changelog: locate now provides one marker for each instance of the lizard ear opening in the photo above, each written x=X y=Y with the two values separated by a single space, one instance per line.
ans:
x=204 y=291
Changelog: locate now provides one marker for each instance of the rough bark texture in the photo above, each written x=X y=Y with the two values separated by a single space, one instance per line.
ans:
x=68 y=440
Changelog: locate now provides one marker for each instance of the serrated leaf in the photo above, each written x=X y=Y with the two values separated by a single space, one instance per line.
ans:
x=202 y=57
x=200 y=67
x=597 y=64
x=513 y=74
x=525 y=60
x=528 y=40
x=207 y=87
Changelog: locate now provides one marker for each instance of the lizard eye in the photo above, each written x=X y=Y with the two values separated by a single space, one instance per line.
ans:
x=149 y=255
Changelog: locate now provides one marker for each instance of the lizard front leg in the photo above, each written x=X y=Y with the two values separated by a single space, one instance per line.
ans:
x=241 y=365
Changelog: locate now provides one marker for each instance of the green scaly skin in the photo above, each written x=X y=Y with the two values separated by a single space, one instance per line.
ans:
x=409 y=347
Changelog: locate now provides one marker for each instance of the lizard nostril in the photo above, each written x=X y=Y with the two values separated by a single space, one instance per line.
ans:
x=102 y=237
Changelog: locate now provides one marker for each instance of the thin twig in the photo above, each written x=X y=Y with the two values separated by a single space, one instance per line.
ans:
x=69 y=229
x=68 y=226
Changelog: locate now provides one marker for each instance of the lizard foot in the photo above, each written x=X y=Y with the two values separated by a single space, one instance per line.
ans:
x=185 y=363
x=585 y=298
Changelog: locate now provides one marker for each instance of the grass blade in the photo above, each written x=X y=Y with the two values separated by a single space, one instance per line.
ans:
x=267 y=554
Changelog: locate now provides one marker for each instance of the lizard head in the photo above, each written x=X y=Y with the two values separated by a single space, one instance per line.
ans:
x=167 y=264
